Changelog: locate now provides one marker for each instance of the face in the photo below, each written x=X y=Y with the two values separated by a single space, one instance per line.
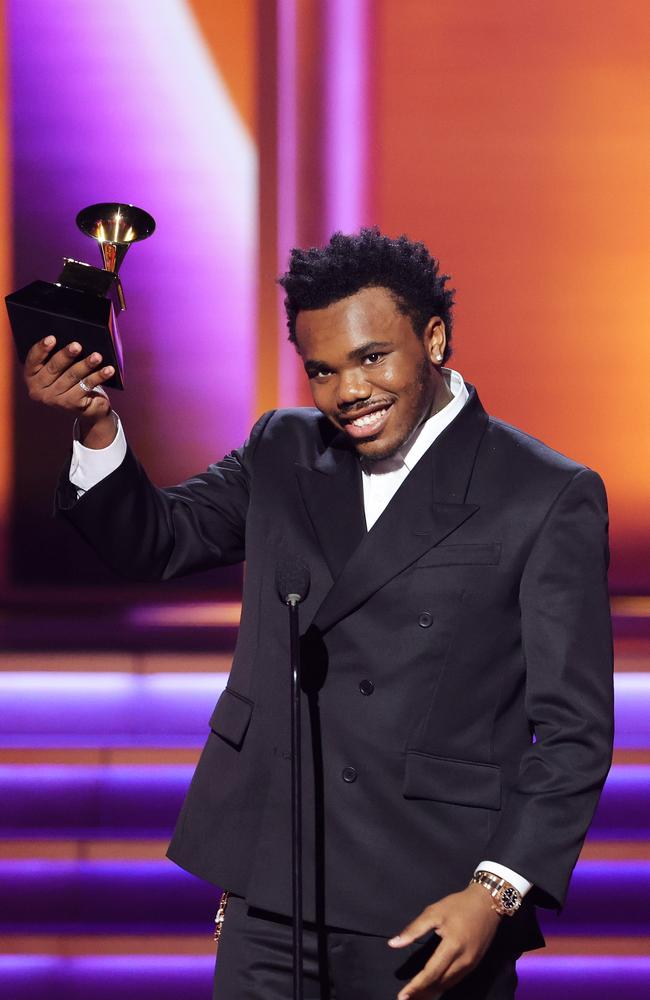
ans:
x=369 y=372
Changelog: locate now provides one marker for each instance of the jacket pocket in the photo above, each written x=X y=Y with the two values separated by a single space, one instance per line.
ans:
x=459 y=782
x=487 y=554
x=231 y=717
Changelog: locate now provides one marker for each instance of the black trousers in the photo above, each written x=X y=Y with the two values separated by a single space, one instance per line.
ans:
x=255 y=963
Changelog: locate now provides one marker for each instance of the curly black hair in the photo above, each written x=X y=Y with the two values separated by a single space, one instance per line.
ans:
x=319 y=276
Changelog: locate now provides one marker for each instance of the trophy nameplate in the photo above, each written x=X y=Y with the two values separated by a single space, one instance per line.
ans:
x=83 y=304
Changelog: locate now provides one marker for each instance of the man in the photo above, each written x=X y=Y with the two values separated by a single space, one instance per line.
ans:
x=456 y=647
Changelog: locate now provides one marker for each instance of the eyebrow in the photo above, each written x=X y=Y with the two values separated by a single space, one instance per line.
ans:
x=368 y=348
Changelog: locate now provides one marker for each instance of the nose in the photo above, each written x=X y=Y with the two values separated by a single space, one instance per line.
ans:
x=352 y=388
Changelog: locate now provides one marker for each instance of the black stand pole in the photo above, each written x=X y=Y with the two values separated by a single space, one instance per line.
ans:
x=292 y=581
x=296 y=796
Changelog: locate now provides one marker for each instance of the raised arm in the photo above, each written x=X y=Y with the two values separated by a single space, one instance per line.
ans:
x=141 y=531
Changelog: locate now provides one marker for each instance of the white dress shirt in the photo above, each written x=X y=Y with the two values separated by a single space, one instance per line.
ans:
x=90 y=465
x=381 y=480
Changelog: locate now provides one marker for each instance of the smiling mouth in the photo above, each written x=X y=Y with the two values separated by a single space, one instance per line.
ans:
x=368 y=424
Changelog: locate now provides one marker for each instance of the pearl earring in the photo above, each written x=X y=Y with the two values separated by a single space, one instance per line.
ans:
x=438 y=357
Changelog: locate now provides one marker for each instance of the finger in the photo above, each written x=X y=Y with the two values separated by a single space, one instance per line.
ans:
x=72 y=376
x=455 y=973
x=433 y=972
x=94 y=406
x=58 y=363
x=37 y=355
x=90 y=386
x=426 y=921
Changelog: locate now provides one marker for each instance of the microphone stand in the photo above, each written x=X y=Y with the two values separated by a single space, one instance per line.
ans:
x=292 y=601
x=292 y=582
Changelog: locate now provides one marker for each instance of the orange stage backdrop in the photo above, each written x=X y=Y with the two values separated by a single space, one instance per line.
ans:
x=514 y=139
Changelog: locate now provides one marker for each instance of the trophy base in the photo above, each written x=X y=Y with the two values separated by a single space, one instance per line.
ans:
x=44 y=308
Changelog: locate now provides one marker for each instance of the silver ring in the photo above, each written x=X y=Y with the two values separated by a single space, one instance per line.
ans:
x=86 y=388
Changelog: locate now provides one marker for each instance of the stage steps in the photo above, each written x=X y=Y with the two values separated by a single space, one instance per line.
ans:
x=95 y=754
x=139 y=801
x=155 y=897
x=170 y=977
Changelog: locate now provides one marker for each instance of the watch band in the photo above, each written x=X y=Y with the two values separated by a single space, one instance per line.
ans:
x=506 y=899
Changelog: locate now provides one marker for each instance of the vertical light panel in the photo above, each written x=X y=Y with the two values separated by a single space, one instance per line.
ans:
x=6 y=351
x=287 y=177
x=287 y=126
x=323 y=117
x=228 y=30
x=345 y=145
x=125 y=101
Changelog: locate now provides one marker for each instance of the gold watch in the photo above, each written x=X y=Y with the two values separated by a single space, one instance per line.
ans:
x=506 y=899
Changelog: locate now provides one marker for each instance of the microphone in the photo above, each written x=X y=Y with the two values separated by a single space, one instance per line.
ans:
x=292 y=579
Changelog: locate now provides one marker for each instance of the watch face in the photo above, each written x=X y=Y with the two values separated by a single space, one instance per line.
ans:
x=510 y=899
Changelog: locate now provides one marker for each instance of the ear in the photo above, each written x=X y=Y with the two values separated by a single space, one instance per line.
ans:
x=435 y=340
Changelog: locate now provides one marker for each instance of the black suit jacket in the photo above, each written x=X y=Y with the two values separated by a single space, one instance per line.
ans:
x=477 y=606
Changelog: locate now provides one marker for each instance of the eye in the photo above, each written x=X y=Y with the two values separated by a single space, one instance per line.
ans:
x=319 y=373
x=373 y=358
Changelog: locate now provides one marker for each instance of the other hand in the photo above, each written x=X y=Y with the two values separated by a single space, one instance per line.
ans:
x=56 y=382
x=466 y=925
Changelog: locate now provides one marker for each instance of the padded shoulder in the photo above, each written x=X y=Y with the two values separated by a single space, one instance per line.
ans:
x=300 y=433
x=516 y=445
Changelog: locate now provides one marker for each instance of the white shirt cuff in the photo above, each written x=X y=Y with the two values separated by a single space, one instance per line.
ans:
x=521 y=884
x=90 y=465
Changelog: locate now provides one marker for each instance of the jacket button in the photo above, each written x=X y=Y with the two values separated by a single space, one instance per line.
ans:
x=349 y=774
x=425 y=619
x=366 y=687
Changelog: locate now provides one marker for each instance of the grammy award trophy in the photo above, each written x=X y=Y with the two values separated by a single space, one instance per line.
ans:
x=84 y=302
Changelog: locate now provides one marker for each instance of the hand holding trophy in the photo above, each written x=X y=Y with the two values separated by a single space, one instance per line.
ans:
x=80 y=311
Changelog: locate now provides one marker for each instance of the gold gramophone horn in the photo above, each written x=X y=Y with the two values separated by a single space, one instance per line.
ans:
x=115 y=227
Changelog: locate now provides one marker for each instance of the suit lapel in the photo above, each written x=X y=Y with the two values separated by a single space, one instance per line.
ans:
x=429 y=505
x=332 y=493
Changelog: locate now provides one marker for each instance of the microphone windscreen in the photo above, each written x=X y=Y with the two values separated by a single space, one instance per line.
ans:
x=292 y=577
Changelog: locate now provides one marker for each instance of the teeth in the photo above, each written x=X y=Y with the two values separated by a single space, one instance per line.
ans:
x=370 y=418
